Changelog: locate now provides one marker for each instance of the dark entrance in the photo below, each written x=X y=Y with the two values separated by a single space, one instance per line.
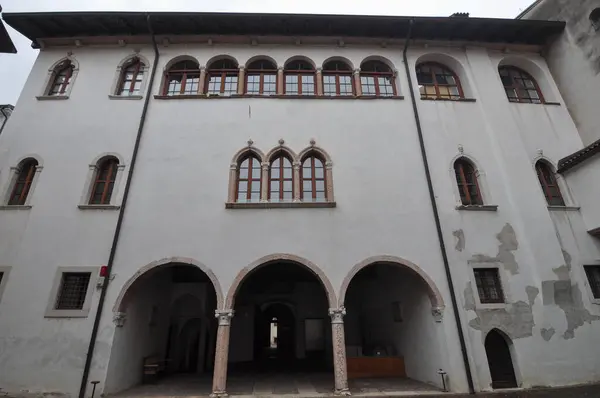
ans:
x=500 y=361
x=274 y=338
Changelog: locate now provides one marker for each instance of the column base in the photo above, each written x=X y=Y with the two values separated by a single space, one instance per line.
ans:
x=219 y=394
x=344 y=392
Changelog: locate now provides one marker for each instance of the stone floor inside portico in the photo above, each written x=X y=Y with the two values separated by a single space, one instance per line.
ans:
x=276 y=385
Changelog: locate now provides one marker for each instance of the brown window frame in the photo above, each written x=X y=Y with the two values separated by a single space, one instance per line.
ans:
x=138 y=67
x=447 y=72
x=337 y=73
x=185 y=74
x=67 y=67
x=541 y=167
x=223 y=73
x=464 y=185
x=262 y=72
x=24 y=179
x=376 y=75
x=593 y=274
x=514 y=86
x=482 y=278
x=299 y=73
x=112 y=166
x=249 y=179
x=313 y=179
x=281 y=179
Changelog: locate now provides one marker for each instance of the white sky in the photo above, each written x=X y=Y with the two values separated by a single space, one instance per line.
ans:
x=14 y=69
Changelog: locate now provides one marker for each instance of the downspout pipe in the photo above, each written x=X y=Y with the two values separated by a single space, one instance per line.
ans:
x=117 y=234
x=436 y=216
x=4 y=120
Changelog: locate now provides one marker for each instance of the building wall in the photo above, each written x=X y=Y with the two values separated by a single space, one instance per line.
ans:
x=176 y=204
x=574 y=59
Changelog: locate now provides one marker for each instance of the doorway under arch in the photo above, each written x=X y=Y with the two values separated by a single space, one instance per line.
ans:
x=502 y=371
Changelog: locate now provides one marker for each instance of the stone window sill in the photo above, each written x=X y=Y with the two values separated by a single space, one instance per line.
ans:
x=98 y=207
x=66 y=314
x=15 y=207
x=478 y=207
x=280 y=205
x=125 y=97
x=490 y=306
x=535 y=103
x=564 y=208
x=279 y=96
x=449 y=99
x=52 y=97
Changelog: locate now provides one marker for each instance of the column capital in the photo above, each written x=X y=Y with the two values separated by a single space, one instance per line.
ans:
x=242 y=67
x=296 y=165
x=280 y=69
x=319 y=70
x=265 y=166
x=233 y=166
x=356 y=71
x=438 y=314
x=337 y=314
x=119 y=318
x=329 y=165
x=224 y=317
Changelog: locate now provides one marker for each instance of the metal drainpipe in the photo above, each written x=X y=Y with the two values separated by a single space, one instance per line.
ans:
x=113 y=249
x=436 y=216
x=5 y=119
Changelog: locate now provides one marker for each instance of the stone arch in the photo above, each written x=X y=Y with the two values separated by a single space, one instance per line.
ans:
x=241 y=276
x=381 y=59
x=261 y=57
x=314 y=149
x=340 y=59
x=300 y=58
x=180 y=58
x=120 y=302
x=130 y=58
x=220 y=57
x=69 y=58
x=34 y=156
x=454 y=65
x=281 y=149
x=532 y=68
x=105 y=155
x=437 y=301
x=249 y=150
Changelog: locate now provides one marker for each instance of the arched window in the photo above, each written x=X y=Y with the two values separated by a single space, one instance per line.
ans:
x=22 y=182
x=104 y=181
x=520 y=86
x=61 y=78
x=281 y=181
x=222 y=77
x=549 y=184
x=182 y=78
x=261 y=78
x=595 y=18
x=376 y=78
x=299 y=78
x=468 y=186
x=436 y=81
x=130 y=81
x=313 y=179
x=337 y=79
x=249 y=180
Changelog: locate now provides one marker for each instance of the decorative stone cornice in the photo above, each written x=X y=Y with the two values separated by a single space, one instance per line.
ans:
x=337 y=315
x=224 y=317
x=119 y=318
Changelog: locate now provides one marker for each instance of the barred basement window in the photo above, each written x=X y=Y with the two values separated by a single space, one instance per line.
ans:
x=488 y=285
x=593 y=275
x=72 y=291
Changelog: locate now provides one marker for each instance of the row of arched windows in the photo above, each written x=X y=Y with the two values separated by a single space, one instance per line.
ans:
x=261 y=77
x=467 y=178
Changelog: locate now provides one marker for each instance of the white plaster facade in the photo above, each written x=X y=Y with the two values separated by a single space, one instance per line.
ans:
x=176 y=208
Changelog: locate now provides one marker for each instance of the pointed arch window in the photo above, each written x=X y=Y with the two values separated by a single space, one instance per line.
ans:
x=337 y=79
x=222 y=77
x=299 y=78
x=377 y=79
x=182 y=78
x=130 y=81
x=436 y=81
x=104 y=181
x=261 y=78
x=549 y=184
x=468 y=185
x=249 y=180
x=25 y=174
x=281 y=180
x=62 y=77
x=314 y=187
x=520 y=86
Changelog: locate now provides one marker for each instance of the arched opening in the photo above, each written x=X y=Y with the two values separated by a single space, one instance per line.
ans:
x=392 y=336
x=168 y=327
x=281 y=328
x=500 y=360
x=595 y=18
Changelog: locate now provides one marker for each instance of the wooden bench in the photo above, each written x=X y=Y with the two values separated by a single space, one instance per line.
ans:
x=154 y=367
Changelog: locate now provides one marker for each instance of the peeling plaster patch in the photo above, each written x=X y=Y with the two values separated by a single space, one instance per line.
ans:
x=562 y=272
x=547 y=333
x=469 y=298
x=569 y=298
x=548 y=292
x=532 y=293
x=508 y=244
x=459 y=234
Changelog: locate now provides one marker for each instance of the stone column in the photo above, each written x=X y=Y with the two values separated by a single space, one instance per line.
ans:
x=339 y=350
x=241 y=81
x=233 y=170
x=357 y=85
x=297 y=183
x=202 y=80
x=319 y=77
x=264 y=182
x=221 y=354
x=280 y=81
x=329 y=181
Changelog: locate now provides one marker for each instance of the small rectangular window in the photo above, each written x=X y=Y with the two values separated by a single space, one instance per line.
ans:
x=593 y=275
x=72 y=291
x=489 y=286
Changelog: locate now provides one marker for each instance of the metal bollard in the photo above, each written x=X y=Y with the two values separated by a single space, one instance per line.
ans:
x=94 y=388
x=443 y=376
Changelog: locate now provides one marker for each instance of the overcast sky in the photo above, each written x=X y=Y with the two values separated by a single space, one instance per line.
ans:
x=14 y=69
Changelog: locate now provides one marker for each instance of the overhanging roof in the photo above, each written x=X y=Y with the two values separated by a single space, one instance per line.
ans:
x=578 y=157
x=6 y=44
x=85 y=24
